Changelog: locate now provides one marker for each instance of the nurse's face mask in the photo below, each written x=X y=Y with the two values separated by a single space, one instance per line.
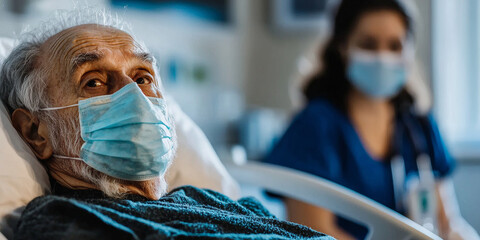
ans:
x=378 y=75
x=127 y=135
x=377 y=53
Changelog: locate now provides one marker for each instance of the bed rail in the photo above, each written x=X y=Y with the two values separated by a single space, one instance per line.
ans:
x=382 y=222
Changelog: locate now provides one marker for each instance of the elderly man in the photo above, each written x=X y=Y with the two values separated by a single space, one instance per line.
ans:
x=86 y=99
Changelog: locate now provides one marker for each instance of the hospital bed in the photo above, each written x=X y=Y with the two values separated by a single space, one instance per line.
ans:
x=382 y=222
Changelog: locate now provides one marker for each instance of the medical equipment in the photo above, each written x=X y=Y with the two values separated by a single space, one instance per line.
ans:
x=415 y=194
x=421 y=198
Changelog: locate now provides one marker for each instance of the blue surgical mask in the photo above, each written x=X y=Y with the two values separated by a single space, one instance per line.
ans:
x=377 y=75
x=127 y=135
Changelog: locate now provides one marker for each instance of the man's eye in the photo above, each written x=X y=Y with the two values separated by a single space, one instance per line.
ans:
x=93 y=83
x=143 y=80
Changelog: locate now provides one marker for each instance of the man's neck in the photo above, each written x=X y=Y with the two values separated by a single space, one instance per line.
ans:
x=67 y=180
x=149 y=189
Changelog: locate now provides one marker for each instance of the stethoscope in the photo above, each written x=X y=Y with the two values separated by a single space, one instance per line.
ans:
x=420 y=151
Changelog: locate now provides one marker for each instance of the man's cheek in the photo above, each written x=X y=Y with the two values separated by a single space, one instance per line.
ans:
x=151 y=90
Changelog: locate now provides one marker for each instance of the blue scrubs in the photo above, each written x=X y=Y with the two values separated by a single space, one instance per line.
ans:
x=322 y=141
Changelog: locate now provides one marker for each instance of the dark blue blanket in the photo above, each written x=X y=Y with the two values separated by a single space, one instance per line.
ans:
x=185 y=213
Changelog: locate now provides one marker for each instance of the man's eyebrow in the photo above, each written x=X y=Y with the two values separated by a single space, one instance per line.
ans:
x=84 y=58
x=144 y=56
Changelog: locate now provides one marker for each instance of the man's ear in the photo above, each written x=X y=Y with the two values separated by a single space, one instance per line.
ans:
x=34 y=132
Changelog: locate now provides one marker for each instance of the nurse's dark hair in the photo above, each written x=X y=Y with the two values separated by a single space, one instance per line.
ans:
x=331 y=82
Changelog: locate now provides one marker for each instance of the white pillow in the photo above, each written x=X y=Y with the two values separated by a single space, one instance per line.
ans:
x=6 y=46
x=196 y=163
x=22 y=177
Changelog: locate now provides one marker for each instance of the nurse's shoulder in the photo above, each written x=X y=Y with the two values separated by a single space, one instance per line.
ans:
x=312 y=134
x=322 y=115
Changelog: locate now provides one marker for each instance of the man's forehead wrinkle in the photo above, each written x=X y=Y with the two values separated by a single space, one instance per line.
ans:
x=89 y=42
x=53 y=53
x=107 y=38
x=55 y=46
x=79 y=35
x=89 y=48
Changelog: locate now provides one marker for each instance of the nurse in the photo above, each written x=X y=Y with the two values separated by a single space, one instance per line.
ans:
x=361 y=131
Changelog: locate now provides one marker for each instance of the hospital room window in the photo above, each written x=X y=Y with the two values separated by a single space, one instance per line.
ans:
x=456 y=74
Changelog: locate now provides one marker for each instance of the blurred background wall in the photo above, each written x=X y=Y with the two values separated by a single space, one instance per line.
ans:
x=236 y=66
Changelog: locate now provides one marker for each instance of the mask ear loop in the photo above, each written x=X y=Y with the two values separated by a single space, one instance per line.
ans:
x=65 y=157
x=57 y=108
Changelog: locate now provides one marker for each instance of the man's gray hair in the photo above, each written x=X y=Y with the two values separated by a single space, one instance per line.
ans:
x=22 y=83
